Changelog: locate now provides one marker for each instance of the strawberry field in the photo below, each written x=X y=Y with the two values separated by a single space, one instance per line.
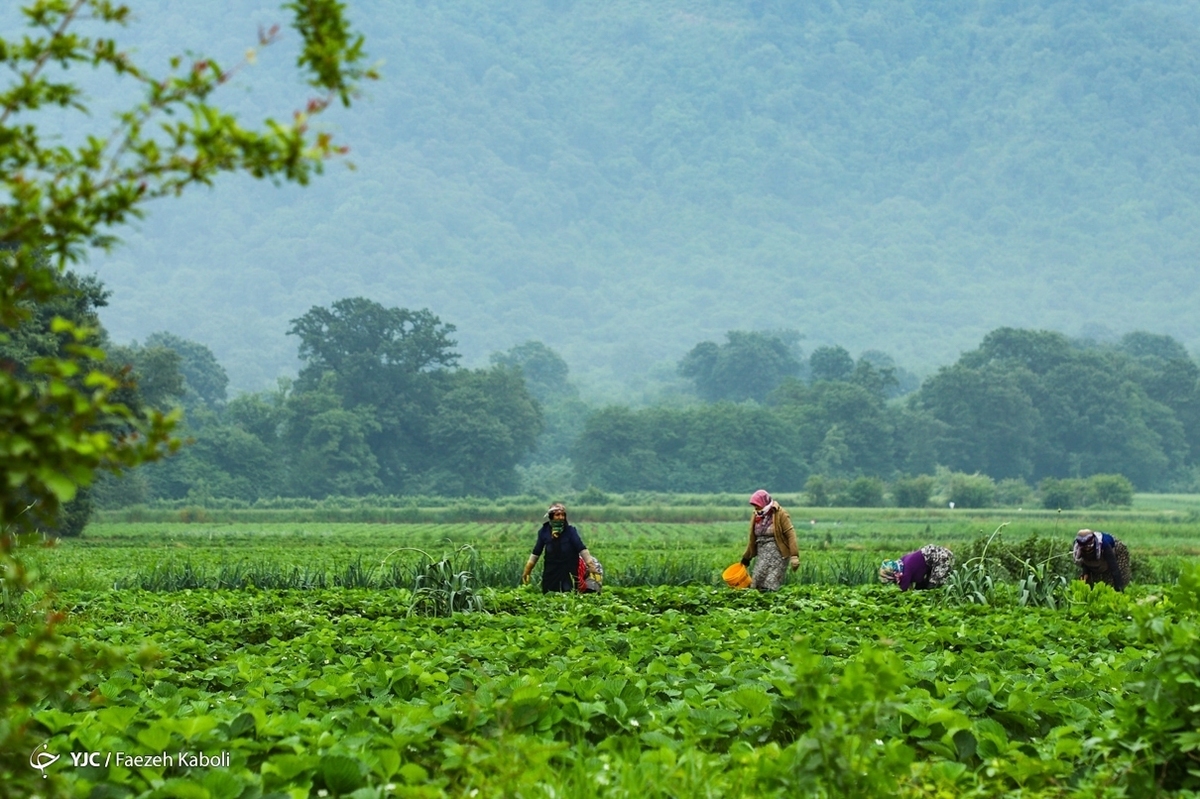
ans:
x=351 y=685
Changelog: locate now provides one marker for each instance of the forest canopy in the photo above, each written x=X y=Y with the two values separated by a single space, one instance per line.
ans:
x=381 y=408
x=621 y=181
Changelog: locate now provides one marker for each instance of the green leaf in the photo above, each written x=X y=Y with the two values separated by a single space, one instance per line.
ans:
x=118 y=718
x=156 y=737
x=341 y=774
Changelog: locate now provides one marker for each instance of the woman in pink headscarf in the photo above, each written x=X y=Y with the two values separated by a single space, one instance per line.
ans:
x=772 y=542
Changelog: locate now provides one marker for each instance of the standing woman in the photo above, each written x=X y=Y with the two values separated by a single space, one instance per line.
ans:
x=1102 y=558
x=772 y=542
x=564 y=549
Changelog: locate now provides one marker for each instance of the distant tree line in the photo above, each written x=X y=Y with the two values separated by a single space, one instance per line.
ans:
x=381 y=407
x=961 y=490
x=1025 y=405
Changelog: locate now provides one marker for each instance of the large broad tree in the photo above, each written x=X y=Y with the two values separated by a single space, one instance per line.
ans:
x=383 y=380
x=372 y=350
x=383 y=363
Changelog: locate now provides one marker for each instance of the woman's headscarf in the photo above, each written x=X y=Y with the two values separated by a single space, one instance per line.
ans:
x=1087 y=546
x=760 y=499
x=556 y=525
x=890 y=571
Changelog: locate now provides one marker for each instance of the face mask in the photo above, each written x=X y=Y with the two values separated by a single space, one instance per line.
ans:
x=557 y=526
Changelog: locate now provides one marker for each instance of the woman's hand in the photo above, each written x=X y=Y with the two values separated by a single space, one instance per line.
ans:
x=795 y=562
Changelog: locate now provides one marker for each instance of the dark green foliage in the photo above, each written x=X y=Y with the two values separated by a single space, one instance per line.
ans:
x=717 y=447
x=593 y=496
x=370 y=350
x=328 y=448
x=155 y=372
x=830 y=363
x=1062 y=494
x=1023 y=404
x=151 y=374
x=989 y=420
x=1108 y=490
x=971 y=491
x=563 y=413
x=746 y=366
x=843 y=428
x=912 y=492
x=204 y=379
x=377 y=408
x=1099 y=490
x=484 y=424
x=899 y=381
x=816 y=491
x=862 y=492
x=1013 y=492
x=1013 y=560
x=80 y=299
x=1030 y=405
x=544 y=370
x=73 y=516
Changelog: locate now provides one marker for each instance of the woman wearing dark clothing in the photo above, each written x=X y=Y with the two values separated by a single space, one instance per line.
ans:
x=563 y=549
x=928 y=567
x=1102 y=558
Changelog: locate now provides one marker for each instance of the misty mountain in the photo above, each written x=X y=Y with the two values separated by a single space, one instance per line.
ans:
x=622 y=180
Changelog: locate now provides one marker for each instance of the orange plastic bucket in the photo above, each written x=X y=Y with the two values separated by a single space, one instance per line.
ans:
x=736 y=576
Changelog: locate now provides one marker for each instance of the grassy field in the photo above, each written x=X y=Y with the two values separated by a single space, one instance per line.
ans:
x=837 y=545
x=1184 y=503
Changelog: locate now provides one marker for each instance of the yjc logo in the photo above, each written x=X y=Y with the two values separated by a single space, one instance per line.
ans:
x=88 y=759
x=42 y=760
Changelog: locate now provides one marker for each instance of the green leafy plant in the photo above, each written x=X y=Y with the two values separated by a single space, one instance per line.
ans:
x=973 y=582
x=1041 y=586
x=1156 y=741
x=442 y=587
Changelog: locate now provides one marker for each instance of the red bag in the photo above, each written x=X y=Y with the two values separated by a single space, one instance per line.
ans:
x=586 y=584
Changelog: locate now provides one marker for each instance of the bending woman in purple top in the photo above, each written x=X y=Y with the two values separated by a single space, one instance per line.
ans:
x=928 y=567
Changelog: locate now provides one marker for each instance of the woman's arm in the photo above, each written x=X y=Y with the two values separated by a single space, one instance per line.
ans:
x=529 y=564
